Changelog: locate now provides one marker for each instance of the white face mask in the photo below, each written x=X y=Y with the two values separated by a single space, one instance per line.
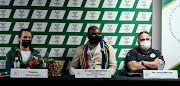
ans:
x=145 y=45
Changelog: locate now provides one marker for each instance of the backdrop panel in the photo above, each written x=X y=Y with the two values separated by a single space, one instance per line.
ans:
x=60 y=26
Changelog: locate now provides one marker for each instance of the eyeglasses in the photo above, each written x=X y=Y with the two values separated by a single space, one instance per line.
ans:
x=142 y=33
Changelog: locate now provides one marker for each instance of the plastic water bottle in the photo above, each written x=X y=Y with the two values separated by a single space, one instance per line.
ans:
x=16 y=63
x=43 y=63
x=160 y=65
x=92 y=64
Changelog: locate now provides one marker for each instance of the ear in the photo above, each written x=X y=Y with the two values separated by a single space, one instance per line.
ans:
x=87 y=35
x=138 y=42
x=19 y=38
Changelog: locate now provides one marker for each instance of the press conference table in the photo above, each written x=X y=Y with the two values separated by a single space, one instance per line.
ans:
x=116 y=79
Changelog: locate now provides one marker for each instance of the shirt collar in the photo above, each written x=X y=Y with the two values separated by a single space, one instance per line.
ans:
x=138 y=49
x=92 y=46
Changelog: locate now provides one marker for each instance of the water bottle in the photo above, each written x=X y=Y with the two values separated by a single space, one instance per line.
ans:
x=16 y=63
x=160 y=65
x=92 y=64
x=43 y=63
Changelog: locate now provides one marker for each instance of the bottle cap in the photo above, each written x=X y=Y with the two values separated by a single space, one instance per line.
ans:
x=16 y=58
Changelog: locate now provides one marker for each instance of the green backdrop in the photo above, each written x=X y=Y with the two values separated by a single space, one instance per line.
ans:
x=56 y=25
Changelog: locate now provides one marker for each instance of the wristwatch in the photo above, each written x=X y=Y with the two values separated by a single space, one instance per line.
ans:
x=142 y=62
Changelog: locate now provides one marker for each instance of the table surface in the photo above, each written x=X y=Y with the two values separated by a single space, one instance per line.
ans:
x=130 y=80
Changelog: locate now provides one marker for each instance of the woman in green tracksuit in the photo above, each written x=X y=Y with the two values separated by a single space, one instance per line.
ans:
x=10 y=57
x=24 y=52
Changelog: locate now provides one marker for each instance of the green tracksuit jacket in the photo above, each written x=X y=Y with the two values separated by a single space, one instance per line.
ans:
x=11 y=56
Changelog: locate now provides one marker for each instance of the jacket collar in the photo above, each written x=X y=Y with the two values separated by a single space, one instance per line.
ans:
x=31 y=49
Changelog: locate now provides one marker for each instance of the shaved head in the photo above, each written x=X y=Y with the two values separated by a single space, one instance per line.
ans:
x=93 y=31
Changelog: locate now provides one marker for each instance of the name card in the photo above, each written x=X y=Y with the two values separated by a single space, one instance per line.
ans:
x=29 y=73
x=160 y=74
x=92 y=73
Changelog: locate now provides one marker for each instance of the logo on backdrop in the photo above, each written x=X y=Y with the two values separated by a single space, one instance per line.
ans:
x=74 y=27
x=5 y=2
x=110 y=39
x=74 y=40
x=92 y=3
x=126 y=40
x=39 y=3
x=110 y=15
x=56 y=52
x=126 y=16
x=109 y=28
x=109 y=3
x=4 y=26
x=92 y=15
x=56 y=3
x=123 y=52
x=74 y=3
x=57 y=14
x=20 y=2
x=39 y=14
x=143 y=16
x=4 y=50
x=126 y=28
x=144 y=4
x=19 y=25
x=4 y=38
x=2 y=64
x=71 y=52
x=127 y=4
x=42 y=51
x=5 y=13
x=57 y=27
x=39 y=39
x=74 y=15
x=57 y=39
x=21 y=13
x=143 y=27
x=39 y=26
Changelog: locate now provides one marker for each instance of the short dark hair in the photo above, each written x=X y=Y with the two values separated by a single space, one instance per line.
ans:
x=20 y=33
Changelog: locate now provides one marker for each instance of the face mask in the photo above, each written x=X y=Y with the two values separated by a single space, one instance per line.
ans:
x=145 y=45
x=26 y=43
x=94 y=40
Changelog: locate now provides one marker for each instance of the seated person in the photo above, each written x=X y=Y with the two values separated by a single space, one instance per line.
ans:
x=24 y=52
x=93 y=49
x=143 y=57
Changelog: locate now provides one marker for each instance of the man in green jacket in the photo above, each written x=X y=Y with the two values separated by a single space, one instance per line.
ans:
x=24 y=52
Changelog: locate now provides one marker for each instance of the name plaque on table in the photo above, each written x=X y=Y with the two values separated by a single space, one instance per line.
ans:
x=92 y=73
x=160 y=74
x=29 y=73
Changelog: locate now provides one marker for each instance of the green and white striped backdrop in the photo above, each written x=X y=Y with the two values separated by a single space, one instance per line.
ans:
x=60 y=26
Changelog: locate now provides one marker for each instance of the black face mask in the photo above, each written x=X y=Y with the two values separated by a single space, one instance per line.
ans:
x=26 y=43
x=94 y=40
